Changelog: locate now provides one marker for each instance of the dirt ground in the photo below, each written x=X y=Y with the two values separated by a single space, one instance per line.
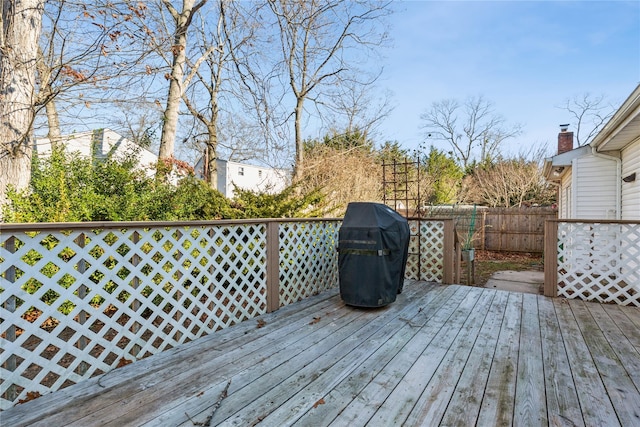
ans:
x=489 y=262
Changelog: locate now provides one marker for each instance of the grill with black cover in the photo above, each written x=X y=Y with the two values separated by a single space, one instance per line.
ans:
x=372 y=254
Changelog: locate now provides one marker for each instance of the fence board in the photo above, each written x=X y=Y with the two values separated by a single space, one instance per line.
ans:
x=498 y=229
x=514 y=229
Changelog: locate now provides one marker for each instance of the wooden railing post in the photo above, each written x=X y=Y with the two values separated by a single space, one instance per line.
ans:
x=449 y=253
x=273 y=266
x=551 y=258
x=10 y=306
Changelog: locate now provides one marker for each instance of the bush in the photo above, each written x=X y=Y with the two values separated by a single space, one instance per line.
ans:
x=67 y=188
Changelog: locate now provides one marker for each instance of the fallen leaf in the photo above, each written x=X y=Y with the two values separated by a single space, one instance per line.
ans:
x=123 y=362
x=318 y=403
x=31 y=395
x=315 y=320
x=261 y=323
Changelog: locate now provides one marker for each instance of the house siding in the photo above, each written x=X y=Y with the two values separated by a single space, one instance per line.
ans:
x=249 y=177
x=594 y=188
x=100 y=144
x=631 y=190
x=564 y=209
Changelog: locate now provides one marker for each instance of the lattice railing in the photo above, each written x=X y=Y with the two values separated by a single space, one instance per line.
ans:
x=426 y=251
x=78 y=300
x=308 y=259
x=599 y=261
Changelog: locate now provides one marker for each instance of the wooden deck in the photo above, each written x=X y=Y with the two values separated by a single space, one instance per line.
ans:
x=440 y=355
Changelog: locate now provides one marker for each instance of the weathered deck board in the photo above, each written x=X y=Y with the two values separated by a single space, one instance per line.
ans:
x=498 y=400
x=563 y=406
x=439 y=355
x=530 y=393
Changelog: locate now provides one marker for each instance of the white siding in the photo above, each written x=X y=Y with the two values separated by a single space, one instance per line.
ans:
x=250 y=177
x=101 y=144
x=631 y=190
x=564 y=205
x=595 y=188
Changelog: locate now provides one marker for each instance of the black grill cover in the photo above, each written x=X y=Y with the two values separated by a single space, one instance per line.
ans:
x=372 y=254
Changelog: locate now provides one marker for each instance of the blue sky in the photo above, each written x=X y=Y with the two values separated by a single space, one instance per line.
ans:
x=527 y=57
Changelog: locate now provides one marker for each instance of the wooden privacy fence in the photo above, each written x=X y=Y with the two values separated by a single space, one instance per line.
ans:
x=593 y=260
x=513 y=229
x=78 y=300
x=498 y=229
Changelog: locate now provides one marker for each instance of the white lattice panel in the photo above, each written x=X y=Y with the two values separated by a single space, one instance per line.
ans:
x=599 y=262
x=308 y=259
x=74 y=305
x=426 y=249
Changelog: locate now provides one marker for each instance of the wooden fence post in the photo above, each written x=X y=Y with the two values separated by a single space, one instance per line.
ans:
x=449 y=253
x=273 y=266
x=551 y=258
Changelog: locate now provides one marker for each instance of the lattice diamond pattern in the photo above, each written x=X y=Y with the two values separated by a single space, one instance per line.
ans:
x=599 y=262
x=79 y=303
x=308 y=259
x=426 y=248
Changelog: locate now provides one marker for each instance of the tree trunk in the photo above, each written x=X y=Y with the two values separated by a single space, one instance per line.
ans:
x=53 y=120
x=45 y=96
x=170 y=123
x=298 y=170
x=182 y=21
x=212 y=155
x=21 y=25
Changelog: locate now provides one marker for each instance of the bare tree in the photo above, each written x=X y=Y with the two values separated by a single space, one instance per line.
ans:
x=178 y=78
x=213 y=91
x=21 y=26
x=87 y=52
x=510 y=182
x=315 y=39
x=473 y=129
x=589 y=113
x=356 y=108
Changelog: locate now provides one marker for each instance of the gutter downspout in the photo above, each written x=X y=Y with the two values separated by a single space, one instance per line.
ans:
x=618 y=178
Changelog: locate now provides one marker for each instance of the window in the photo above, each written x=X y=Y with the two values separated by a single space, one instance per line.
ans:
x=241 y=171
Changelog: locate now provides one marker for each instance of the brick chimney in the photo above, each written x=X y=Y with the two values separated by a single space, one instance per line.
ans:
x=565 y=140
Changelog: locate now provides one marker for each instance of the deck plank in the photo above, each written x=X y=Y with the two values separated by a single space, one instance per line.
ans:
x=406 y=397
x=464 y=405
x=530 y=390
x=288 y=349
x=620 y=388
x=340 y=396
x=597 y=409
x=388 y=340
x=624 y=319
x=497 y=406
x=375 y=393
x=448 y=355
x=256 y=402
x=626 y=352
x=563 y=407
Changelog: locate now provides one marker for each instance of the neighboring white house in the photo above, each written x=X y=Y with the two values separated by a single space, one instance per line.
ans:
x=600 y=180
x=100 y=144
x=245 y=176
